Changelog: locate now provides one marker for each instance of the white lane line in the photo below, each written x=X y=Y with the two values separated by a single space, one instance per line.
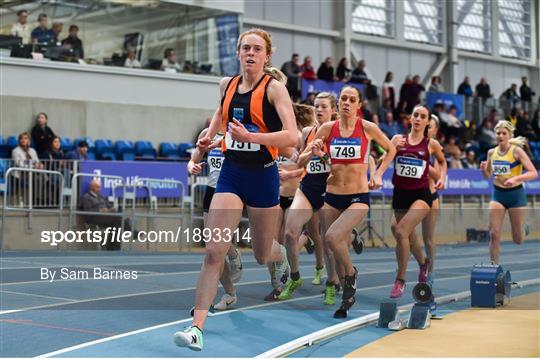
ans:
x=123 y=335
x=36 y=295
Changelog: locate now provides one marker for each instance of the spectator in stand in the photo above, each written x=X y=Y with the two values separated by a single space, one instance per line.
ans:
x=512 y=116
x=367 y=114
x=307 y=70
x=359 y=75
x=326 y=70
x=436 y=84
x=94 y=201
x=525 y=91
x=536 y=124
x=73 y=42
x=453 y=153
x=470 y=161
x=169 y=63
x=386 y=107
x=483 y=90
x=413 y=96
x=310 y=99
x=21 y=27
x=56 y=29
x=404 y=94
x=42 y=34
x=511 y=95
x=131 y=59
x=343 y=71
x=80 y=153
x=55 y=150
x=388 y=90
x=450 y=124
x=25 y=156
x=524 y=126
x=465 y=88
x=486 y=135
x=390 y=127
x=292 y=70
x=42 y=135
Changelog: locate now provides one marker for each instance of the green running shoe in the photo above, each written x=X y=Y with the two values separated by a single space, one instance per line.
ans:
x=318 y=276
x=191 y=337
x=290 y=287
x=330 y=295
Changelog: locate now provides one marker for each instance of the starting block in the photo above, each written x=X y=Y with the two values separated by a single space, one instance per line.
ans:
x=490 y=285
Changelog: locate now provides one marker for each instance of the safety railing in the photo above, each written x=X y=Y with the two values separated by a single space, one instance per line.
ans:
x=25 y=189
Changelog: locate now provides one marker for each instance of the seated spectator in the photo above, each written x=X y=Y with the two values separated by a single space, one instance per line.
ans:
x=169 y=63
x=55 y=150
x=486 y=135
x=25 y=156
x=42 y=135
x=470 y=161
x=525 y=91
x=386 y=107
x=465 y=88
x=366 y=111
x=42 y=34
x=21 y=27
x=94 y=201
x=453 y=153
x=80 y=153
x=56 y=29
x=343 y=71
x=436 y=84
x=310 y=99
x=511 y=95
x=73 y=42
x=389 y=126
x=292 y=70
x=483 y=90
x=359 y=75
x=450 y=124
x=388 y=90
x=131 y=59
x=307 y=70
x=326 y=70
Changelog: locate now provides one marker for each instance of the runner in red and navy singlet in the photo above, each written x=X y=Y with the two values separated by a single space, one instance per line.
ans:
x=412 y=197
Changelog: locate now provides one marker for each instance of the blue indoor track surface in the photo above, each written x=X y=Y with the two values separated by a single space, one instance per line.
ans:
x=137 y=318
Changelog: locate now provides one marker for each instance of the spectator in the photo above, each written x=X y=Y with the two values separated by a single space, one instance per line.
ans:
x=465 y=88
x=42 y=134
x=310 y=99
x=386 y=107
x=483 y=90
x=80 y=153
x=307 y=70
x=535 y=123
x=450 y=124
x=390 y=127
x=512 y=116
x=21 y=27
x=343 y=71
x=56 y=29
x=511 y=95
x=413 y=96
x=292 y=70
x=453 y=153
x=486 y=136
x=525 y=91
x=42 y=34
x=359 y=75
x=25 y=156
x=436 y=84
x=366 y=111
x=524 y=126
x=469 y=161
x=326 y=70
x=388 y=90
x=169 y=63
x=54 y=151
x=404 y=92
x=94 y=201
x=73 y=42
x=131 y=59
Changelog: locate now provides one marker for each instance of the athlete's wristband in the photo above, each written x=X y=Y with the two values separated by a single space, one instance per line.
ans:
x=326 y=158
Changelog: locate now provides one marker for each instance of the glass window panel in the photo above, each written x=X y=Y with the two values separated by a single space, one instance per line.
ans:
x=474 y=29
x=514 y=28
x=423 y=21
x=374 y=17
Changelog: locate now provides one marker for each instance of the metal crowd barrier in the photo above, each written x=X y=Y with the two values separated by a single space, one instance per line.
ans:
x=26 y=191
